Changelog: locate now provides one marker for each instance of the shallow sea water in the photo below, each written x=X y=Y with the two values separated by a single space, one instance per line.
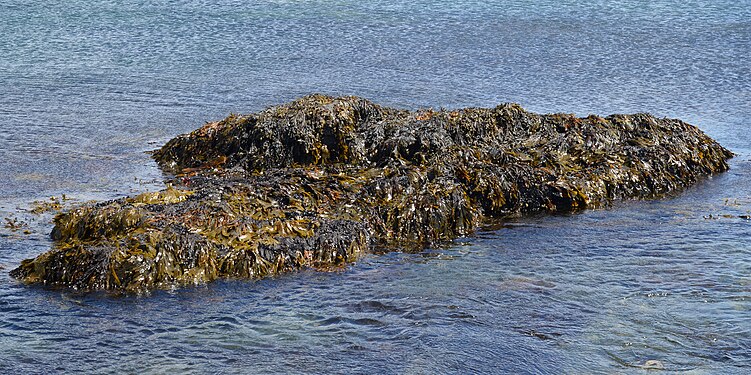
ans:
x=86 y=89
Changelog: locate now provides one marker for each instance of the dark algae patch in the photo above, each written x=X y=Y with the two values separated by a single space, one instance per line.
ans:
x=321 y=180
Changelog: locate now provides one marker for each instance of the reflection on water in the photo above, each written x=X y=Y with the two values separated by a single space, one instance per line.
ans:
x=87 y=89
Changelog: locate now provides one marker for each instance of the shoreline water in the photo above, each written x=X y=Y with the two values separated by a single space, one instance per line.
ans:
x=86 y=88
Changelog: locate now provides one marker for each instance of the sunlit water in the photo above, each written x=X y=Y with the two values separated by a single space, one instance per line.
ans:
x=86 y=89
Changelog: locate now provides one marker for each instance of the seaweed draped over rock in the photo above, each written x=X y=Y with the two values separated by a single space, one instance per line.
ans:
x=318 y=181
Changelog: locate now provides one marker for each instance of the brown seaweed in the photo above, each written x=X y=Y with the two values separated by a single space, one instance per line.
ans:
x=321 y=180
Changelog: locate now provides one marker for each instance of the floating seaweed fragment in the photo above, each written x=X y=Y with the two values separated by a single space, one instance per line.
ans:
x=732 y=208
x=14 y=224
x=321 y=180
x=52 y=204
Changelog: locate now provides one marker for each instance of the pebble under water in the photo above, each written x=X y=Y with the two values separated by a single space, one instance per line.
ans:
x=87 y=89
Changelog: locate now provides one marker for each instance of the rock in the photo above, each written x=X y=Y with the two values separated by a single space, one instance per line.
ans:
x=321 y=180
x=653 y=364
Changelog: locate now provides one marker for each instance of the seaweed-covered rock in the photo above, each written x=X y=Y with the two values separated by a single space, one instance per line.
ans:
x=318 y=181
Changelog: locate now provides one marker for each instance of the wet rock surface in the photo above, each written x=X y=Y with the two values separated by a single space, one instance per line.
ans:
x=321 y=180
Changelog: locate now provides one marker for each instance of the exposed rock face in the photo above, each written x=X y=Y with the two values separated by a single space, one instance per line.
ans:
x=318 y=181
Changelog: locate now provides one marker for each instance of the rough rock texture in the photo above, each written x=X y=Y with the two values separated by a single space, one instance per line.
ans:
x=318 y=181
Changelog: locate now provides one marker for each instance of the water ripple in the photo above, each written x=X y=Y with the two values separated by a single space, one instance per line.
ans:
x=87 y=88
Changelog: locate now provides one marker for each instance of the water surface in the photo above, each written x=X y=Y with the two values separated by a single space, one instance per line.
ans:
x=88 y=88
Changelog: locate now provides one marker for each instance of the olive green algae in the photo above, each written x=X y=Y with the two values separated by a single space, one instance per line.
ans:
x=321 y=180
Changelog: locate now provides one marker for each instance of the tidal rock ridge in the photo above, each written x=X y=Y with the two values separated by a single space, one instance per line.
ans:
x=321 y=180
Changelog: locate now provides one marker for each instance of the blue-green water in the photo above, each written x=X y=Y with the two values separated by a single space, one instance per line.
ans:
x=87 y=87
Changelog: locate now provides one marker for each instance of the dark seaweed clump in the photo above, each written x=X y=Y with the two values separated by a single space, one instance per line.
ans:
x=318 y=181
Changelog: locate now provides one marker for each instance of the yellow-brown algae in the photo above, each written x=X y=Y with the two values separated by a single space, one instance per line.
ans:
x=321 y=180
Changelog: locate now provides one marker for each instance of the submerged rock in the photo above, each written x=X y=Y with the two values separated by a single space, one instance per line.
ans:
x=321 y=180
